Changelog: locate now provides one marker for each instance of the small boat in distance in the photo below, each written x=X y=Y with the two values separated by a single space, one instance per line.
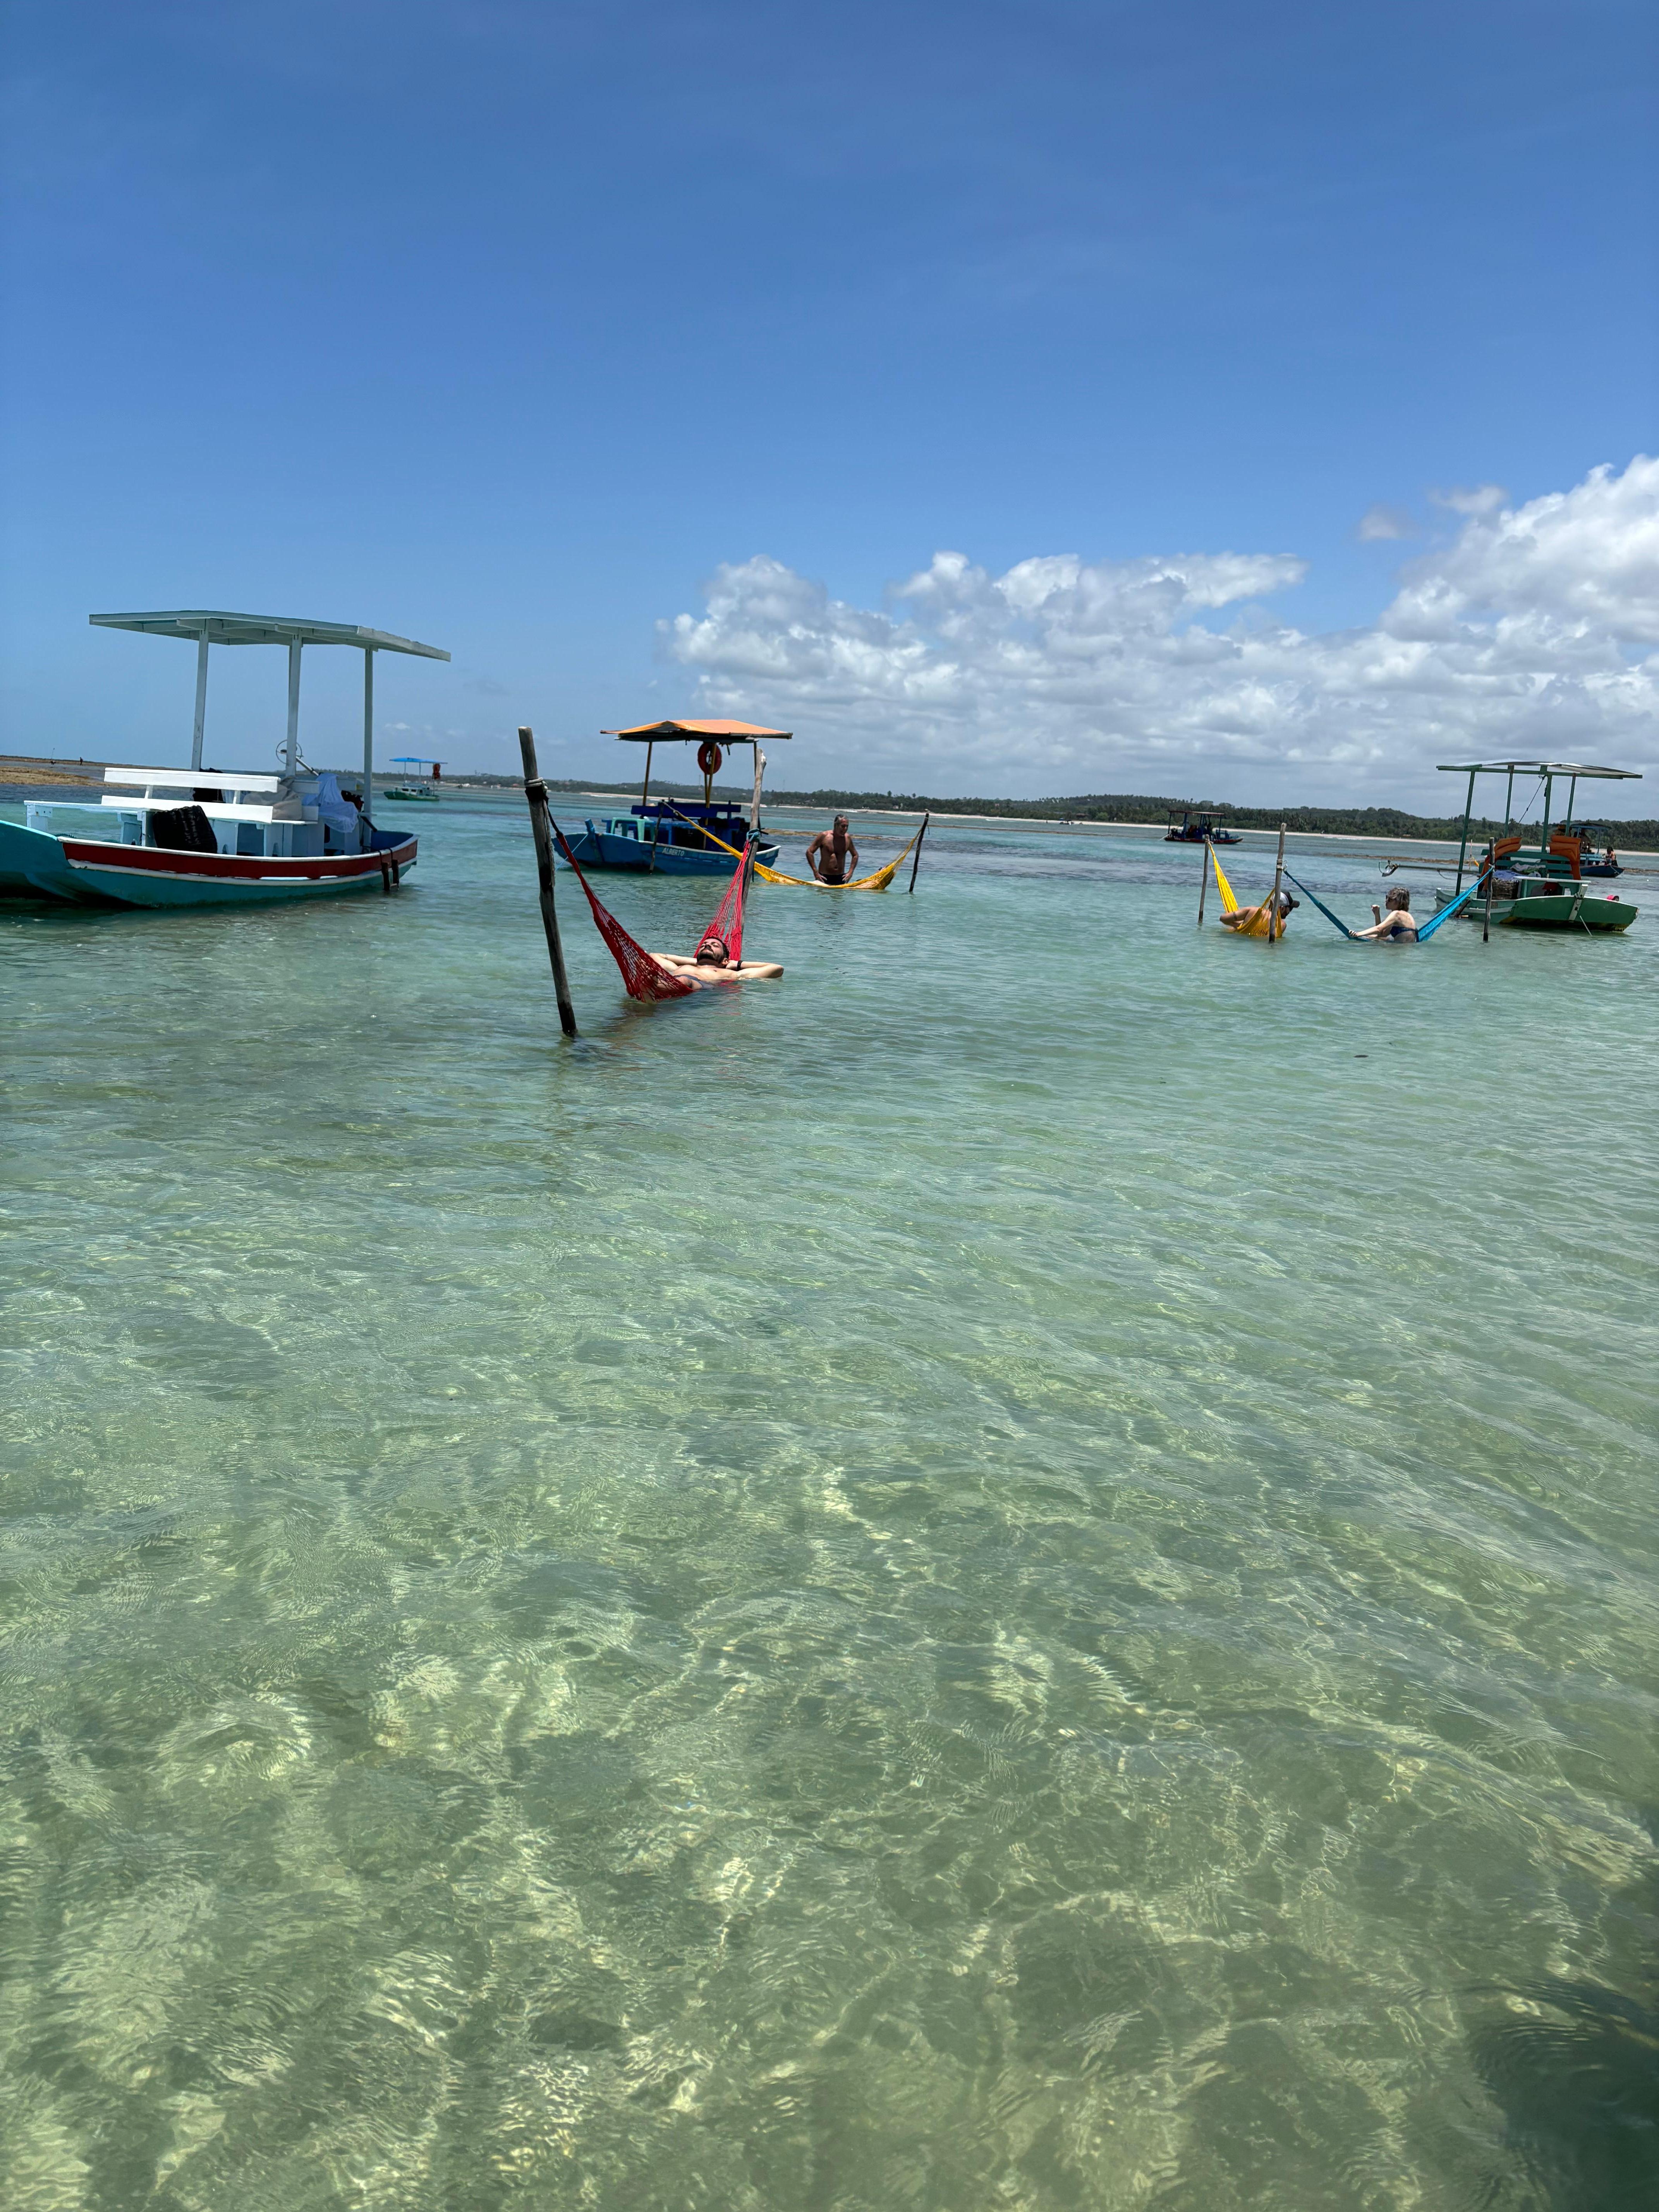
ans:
x=1541 y=885
x=681 y=836
x=1596 y=842
x=1197 y=827
x=417 y=787
x=208 y=836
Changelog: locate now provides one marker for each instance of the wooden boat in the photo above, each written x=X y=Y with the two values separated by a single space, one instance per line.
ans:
x=1543 y=886
x=207 y=836
x=1196 y=828
x=681 y=836
x=1596 y=842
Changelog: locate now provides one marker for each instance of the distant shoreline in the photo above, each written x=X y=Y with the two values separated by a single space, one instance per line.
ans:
x=1056 y=824
x=1353 y=824
x=35 y=776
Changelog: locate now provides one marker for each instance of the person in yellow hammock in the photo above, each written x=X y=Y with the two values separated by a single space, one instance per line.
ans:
x=830 y=852
x=1246 y=918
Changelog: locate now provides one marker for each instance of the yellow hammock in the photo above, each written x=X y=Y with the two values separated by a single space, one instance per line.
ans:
x=878 y=882
x=1230 y=903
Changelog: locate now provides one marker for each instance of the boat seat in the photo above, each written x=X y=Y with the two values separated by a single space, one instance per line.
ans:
x=182 y=830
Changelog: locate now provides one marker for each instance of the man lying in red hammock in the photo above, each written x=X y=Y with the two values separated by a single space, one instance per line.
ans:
x=712 y=963
x=718 y=958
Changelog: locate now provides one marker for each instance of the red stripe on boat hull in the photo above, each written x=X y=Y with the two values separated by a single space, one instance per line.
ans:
x=230 y=867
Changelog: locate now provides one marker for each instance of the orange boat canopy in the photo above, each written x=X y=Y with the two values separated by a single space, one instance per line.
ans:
x=646 y=733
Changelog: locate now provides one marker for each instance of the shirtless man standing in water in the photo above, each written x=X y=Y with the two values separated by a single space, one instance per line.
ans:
x=830 y=850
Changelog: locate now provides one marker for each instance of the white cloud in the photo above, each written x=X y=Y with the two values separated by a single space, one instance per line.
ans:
x=1380 y=523
x=1525 y=632
x=1480 y=499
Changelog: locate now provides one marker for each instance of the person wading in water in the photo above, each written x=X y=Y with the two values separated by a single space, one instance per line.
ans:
x=830 y=852
x=1399 y=924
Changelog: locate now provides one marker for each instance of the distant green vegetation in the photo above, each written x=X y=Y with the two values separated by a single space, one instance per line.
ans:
x=1127 y=806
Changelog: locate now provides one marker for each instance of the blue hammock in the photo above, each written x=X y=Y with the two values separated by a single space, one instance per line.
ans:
x=1447 y=912
x=1321 y=904
x=1425 y=930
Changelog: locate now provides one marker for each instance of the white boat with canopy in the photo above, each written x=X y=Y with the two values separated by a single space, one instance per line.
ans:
x=210 y=836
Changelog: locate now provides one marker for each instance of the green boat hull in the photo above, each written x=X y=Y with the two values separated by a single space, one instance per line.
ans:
x=1595 y=911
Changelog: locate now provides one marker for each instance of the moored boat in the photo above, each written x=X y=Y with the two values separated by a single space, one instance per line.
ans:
x=207 y=836
x=1197 y=829
x=1544 y=883
x=420 y=786
x=681 y=836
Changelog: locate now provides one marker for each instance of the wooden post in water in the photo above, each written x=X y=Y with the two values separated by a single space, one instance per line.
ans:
x=535 y=792
x=1486 y=919
x=1203 y=881
x=1275 y=931
x=916 y=862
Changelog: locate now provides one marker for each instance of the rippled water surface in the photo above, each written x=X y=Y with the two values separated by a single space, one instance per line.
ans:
x=1016 y=1572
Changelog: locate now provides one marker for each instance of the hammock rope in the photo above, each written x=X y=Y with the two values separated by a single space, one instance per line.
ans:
x=1319 y=903
x=878 y=881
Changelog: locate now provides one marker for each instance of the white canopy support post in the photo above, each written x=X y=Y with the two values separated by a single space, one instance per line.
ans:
x=753 y=804
x=201 y=699
x=294 y=648
x=369 y=740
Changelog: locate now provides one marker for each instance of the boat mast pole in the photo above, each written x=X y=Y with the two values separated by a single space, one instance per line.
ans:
x=293 y=651
x=368 y=809
x=1463 y=847
x=201 y=699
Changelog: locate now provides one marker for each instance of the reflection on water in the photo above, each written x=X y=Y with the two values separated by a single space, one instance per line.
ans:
x=998 y=1575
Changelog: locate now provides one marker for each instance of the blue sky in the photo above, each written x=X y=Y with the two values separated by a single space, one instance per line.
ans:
x=511 y=326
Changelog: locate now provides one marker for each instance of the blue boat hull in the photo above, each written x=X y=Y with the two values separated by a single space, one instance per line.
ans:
x=603 y=848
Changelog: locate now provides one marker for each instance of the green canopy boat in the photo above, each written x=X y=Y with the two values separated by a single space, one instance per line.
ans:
x=419 y=786
x=1541 y=878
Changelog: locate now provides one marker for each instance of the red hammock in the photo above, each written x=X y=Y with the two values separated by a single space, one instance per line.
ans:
x=642 y=976
x=727 y=927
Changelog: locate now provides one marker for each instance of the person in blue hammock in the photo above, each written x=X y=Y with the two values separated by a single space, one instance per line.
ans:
x=1397 y=926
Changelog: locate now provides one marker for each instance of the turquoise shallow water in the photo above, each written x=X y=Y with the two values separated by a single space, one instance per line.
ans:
x=1016 y=1572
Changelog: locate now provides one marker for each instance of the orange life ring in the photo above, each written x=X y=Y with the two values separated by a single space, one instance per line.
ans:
x=709 y=756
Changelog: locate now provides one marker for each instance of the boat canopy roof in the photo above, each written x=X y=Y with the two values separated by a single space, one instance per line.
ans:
x=644 y=733
x=1537 y=767
x=221 y=629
